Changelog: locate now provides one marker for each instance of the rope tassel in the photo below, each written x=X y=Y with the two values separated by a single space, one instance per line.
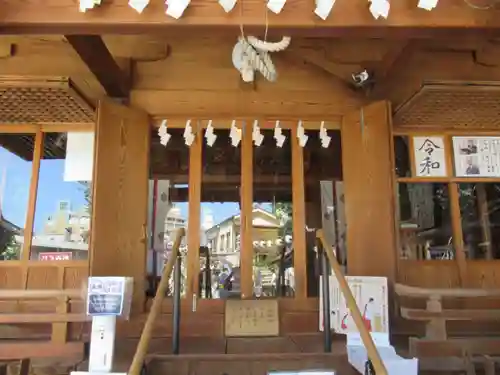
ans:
x=255 y=57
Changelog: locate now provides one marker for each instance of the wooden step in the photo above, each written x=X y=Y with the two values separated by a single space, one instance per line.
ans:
x=247 y=364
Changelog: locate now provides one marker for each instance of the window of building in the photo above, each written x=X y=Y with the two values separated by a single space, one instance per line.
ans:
x=16 y=164
x=64 y=181
x=219 y=275
x=167 y=207
x=448 y=189
x=59 y=168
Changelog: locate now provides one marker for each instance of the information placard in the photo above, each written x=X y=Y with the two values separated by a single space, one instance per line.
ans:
x=477 y=156
x=105 y=296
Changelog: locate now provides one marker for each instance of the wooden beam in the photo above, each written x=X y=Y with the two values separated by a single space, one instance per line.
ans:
x=39 y=17
x=316 y=53
x=392 y=55
x=96 y=56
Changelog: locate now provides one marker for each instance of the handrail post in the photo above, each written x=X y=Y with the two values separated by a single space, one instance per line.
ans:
x=327 y=336
x=147 y=331
x=176 y=316
x=366 y=338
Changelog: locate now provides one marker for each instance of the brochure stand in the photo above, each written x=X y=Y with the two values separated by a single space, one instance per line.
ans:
x=107 y=298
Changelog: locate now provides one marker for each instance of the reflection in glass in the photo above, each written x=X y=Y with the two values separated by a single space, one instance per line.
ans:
x=220 y=219
x=16 y=158
x=167 y=207
x=61 y=229
x=273 y=271
x=402 y=156
x=324 y=199
x=425 y=221
x=480 y=212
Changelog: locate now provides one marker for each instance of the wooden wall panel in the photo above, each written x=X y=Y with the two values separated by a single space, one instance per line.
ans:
x=428 y=274
x=11 y=275
x=43 y=277
x=199 y=79
x=482 y=274
x=368 y=186
x=444 y=274
x=75 y=277
x=121 y=173
x=296 y=316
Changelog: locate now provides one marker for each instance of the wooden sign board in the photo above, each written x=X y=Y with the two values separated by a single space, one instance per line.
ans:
x=251 y=318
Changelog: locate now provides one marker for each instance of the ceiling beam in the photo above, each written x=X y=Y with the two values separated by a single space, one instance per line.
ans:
x=44 y=17
x=318 y=59
x=96 y=56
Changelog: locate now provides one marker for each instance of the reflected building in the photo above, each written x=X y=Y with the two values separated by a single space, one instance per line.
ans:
x=65 y=231
x=223 y=243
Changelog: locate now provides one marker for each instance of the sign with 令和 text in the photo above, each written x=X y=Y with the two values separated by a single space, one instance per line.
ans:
x=429 y=156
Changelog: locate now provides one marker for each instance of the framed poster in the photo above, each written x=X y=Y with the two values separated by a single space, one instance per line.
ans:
x=429 y=156
x=476 y=156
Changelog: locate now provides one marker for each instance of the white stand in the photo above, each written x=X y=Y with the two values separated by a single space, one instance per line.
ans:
x=102 y=346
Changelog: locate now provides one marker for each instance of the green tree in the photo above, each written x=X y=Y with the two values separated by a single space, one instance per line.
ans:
x=87 y=194
x=284 y=212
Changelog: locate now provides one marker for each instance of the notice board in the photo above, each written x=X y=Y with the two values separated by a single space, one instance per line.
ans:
x=251 y=318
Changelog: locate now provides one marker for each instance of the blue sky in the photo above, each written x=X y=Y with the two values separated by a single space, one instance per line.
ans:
x=51 y=189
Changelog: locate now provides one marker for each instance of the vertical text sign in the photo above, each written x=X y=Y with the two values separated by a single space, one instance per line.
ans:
x=430 y=156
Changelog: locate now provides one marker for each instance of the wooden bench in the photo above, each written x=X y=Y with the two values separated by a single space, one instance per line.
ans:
x=436 y=350
x=59 y=346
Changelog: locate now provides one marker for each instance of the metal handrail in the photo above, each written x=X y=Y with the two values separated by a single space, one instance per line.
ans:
x=176 y=310
x=373 y=354
x=147 y=331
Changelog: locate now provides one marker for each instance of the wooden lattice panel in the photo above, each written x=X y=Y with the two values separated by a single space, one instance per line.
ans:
x=47 y=101
x=452 y=106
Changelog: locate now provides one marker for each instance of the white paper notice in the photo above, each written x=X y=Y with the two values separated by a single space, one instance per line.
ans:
x=227 y=5
x=324 y=8
x=79 y=163
x=276 y=6
x=138 y=5
x=175 y=8
x=380 y=8
x=427 y=4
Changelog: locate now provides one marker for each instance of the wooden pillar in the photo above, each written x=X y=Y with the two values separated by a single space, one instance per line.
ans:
x=193 y=234
x=246 y=228
x=119 y=204
x=369 y=191
x=299 y=213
